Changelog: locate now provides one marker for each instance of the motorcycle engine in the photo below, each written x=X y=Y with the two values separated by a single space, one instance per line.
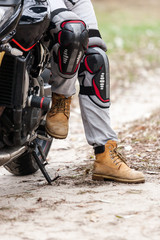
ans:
x=31 y=116
x=19 y=123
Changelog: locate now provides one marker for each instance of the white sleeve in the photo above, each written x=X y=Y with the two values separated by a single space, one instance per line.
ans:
x=55 y=4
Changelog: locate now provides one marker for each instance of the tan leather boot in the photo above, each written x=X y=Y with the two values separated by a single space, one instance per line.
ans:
x=110 y=165
x=58 y=116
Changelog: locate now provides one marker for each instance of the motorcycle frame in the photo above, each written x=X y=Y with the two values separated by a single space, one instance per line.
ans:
x=20 y=63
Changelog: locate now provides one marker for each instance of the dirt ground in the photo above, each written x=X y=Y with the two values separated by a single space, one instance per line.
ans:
x=75 y=207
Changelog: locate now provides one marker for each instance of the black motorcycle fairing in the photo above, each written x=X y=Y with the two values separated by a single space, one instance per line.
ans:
x=8 y=28
x=34 y=22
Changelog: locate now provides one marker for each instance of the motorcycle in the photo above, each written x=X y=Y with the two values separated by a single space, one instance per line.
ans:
x=25 y=95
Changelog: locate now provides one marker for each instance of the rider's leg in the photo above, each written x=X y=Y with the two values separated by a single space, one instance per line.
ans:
x=70 y=42
x=94 y=100
x=94 y=95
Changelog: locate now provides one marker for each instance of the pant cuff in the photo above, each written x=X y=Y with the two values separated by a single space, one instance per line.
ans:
x=99 y=149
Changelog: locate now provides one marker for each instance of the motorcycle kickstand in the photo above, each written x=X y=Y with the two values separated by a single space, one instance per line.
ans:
x=42 y=165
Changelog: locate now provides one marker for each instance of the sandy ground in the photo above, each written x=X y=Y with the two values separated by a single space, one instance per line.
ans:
x=75 y=207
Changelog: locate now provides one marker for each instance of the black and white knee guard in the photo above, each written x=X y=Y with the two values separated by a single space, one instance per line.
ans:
x=71 y=41
x=94 y=77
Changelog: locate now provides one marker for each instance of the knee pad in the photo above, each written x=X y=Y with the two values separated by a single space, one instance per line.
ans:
x=94 y=77
x=72 y=42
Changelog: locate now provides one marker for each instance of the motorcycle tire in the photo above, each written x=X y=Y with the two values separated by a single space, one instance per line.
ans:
x=26 y=164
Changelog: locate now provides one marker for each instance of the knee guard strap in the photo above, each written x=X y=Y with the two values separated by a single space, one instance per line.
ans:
x=94 y=77
x=73 y=41
x=95 y=39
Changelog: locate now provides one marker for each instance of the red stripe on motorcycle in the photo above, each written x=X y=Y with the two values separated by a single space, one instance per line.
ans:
x=24 y=49
x=41 y=104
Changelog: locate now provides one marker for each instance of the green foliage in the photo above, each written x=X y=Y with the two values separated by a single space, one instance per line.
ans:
x=129 y=30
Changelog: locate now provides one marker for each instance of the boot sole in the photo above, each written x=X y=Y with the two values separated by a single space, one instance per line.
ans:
x=97 y=177
x=55 y=135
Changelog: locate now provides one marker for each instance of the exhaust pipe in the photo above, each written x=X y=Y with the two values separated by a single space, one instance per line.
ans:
x=8 y=154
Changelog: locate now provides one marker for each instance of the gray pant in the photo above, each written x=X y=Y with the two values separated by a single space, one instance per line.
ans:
x=96 y=120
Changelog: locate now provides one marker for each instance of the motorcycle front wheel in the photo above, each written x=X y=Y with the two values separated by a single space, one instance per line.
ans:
x=26 y=164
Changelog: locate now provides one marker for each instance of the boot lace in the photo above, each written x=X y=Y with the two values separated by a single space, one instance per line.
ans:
x=61 y=106
x=117 y=157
